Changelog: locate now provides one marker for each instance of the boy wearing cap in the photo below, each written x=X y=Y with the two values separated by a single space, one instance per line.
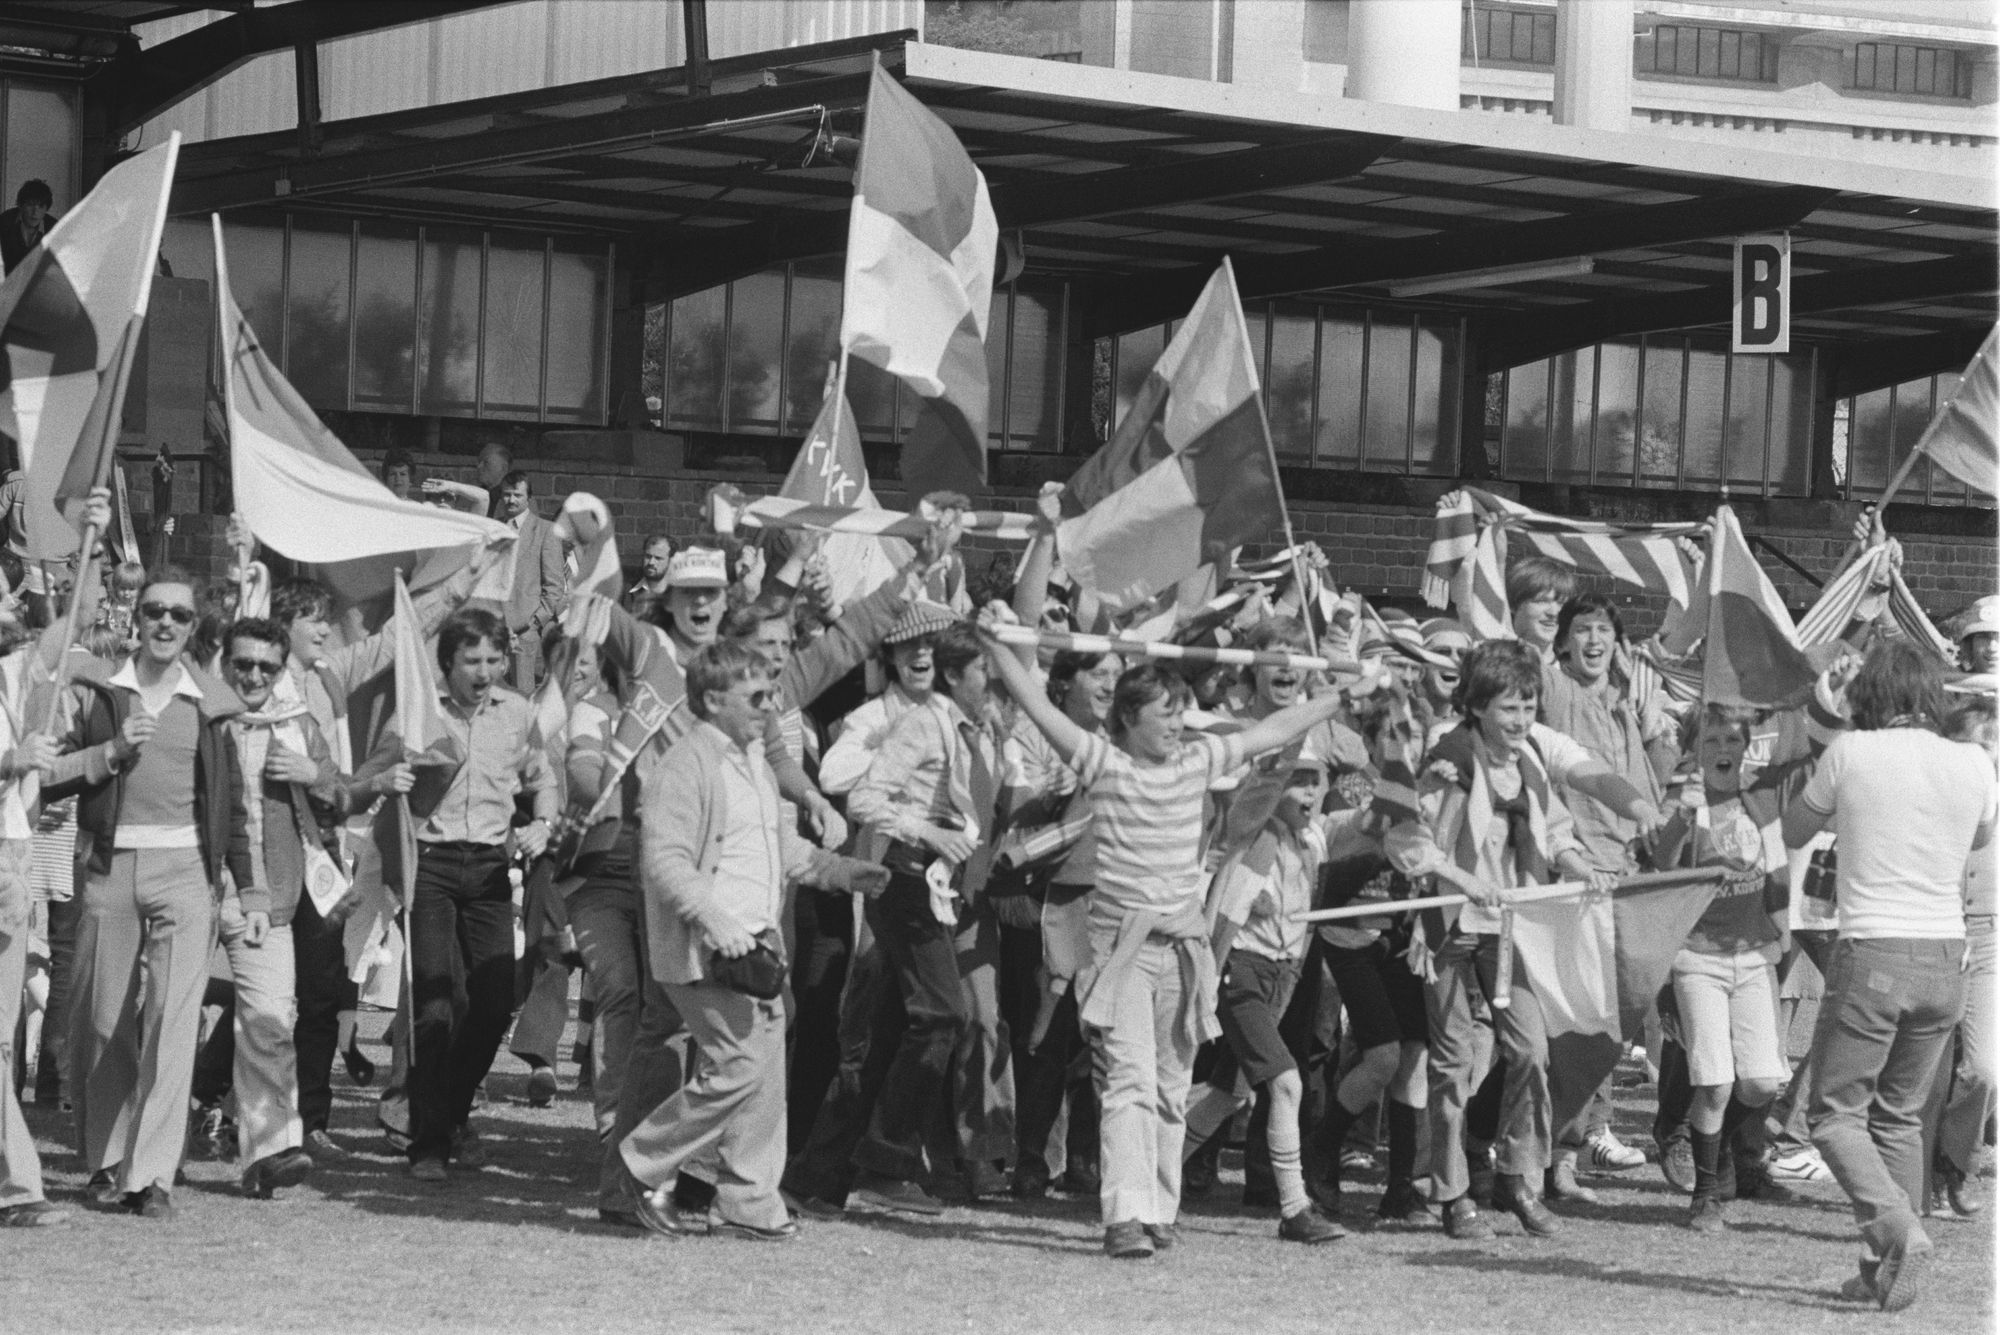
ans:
x=1263 y=950
x=1979 y=640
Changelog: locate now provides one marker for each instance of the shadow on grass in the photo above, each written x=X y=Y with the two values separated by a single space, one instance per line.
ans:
x=1019 y=1235
x=1676 y=1282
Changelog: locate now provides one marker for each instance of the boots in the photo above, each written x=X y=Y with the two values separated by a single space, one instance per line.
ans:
x=1400 y=1202
x=1705 y=1207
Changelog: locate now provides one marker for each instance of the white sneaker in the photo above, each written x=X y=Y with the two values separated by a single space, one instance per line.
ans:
x=1607 y=1151
x=1800 y=1166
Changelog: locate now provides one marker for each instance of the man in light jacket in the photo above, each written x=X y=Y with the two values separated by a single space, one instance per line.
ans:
x=714 y=861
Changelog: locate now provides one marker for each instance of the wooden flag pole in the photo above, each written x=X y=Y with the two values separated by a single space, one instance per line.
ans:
x=1650 y=880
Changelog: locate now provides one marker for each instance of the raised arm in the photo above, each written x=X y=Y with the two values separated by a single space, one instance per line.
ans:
x=1063 y=734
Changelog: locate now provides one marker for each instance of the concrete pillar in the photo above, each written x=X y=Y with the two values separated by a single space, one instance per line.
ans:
x=1594 y=64
x=1404 y=51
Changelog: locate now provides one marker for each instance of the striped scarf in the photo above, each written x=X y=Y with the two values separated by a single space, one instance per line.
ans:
x=1863 y=592
x=1467 y=565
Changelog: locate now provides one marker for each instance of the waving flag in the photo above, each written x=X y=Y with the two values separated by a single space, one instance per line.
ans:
x=1467 y=564
x=830 y=471
x=1960 y=439
x=1596 y=966
x=1189 y=473
x=920 y=248
x=1862 y=592
x=70 y=316
x=286 y=466
x=1750 y=651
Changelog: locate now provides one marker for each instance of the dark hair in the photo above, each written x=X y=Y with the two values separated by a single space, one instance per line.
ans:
x=296 y=598
x=1066 y=668
x=1140 y=686
x=657 y=537
x=1279 y=633
x=397 y=457
x=468 y=626
x=956 y=648
x=1534 y=576
x=35 y=192
x=170 y=574
x=1899 y=684
x=1744 y=718
x=717 y=667
x=1584 y=604
x=741 y=623
x=516 y=478
x=1970 y=713
x=264 y=630
x=1493 y=669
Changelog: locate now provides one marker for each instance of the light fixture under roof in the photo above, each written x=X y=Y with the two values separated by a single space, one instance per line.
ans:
x=1504 y=276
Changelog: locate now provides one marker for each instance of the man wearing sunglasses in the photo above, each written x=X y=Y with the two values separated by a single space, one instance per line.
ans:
x=296 y=795
x=160 y=815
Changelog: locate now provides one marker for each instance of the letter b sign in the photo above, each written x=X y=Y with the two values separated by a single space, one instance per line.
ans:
x=1763 y=307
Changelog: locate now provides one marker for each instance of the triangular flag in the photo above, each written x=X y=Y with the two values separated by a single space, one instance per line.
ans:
x=1189 y=474
x=831 y=470
x=70 y=315
x=921 y=241
x=419 y=715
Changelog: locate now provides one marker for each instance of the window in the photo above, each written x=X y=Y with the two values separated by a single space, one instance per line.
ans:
x=1708 y=53
x=1658 y=413
x=40 y=141
x=1510 y=36
x=1873 y=434
x=1366 y=390
x=753 y=356
x=1921 y=71
x=380 y=316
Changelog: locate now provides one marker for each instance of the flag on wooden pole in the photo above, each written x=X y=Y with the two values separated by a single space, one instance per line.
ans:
x=1960 y=439
x=921 y=241
x=70 y=315
x=830 y=470
x=1750 y=649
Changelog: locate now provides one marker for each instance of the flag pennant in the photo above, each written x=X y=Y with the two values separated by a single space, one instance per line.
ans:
x=921 y=242
x=286 y=465
x=1960 y=439
x=1750 y=650
x=70 y=315
x=1189 y=473
x=830 y=470
x=1596 y=966
x=1467 y=563
x=419 y=716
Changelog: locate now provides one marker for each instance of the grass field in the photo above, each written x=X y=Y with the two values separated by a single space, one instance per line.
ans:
x=516 y=1246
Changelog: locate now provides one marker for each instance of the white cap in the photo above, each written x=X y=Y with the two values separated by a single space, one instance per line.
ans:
x=1985 y=617
x=697 y=568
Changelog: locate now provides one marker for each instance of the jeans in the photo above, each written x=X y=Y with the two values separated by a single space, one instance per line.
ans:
x=1522 y=1146
x=1144 y=1068
x=1888 y=1013
x=1971 y=1098
x=823 y=1168
x=604 y=914
x=53 y=1069
x=319 y=961
x=920 y=1017
x=823 y=927
x=462 y=963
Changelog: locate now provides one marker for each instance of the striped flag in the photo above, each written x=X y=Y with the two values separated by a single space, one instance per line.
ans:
x=921 y=241
x=1189 y=474
x=1750 y=650
x=285 y=465
x=1596 y=966
x=1960 y=439
x=830 y=471
x=1862 y=592
x=70 y=316
x=1467 y=564
x=728 y=508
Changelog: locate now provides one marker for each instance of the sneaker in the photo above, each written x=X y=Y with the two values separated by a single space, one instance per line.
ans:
x=428 y=1170
x=1609 y=1152
x=1127 y=1241
x=323 y=1147
x=1705 y=1215
x=541 y=1087
x=1799 y=1166
x=876 y=1194
x=1677 y=1164
x=1310 y=1227
x=1900 y=1278
x=1355 y=1160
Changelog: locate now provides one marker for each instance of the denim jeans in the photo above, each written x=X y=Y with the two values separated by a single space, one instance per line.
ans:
x=1888 y=1013
x=462 y=968
x=1522 y=1146
x=1969 y=1098
x=920 y=1016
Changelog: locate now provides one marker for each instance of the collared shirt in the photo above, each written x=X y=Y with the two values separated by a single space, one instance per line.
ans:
x=501 y=761
x=748 y=871
x=158 y=806
x=923 y=773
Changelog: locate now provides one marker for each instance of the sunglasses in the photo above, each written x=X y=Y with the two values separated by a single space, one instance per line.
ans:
x=261 y=666
x=180 y=616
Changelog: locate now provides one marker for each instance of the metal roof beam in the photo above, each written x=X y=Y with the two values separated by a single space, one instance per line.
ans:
x=1866 y=366
x=1357 y=264
x=141 y=84
x=1532 y=338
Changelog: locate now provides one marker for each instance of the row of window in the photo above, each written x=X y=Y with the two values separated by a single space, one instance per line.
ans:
x=754 y=356
x=379 y=316
x=1518 y=37
x=38 y=139
x=1873 y=433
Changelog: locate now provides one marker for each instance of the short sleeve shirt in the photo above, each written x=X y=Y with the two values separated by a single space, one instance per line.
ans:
x=1147 y=819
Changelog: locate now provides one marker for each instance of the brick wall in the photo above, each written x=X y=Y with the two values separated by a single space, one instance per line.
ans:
x=1378 y=548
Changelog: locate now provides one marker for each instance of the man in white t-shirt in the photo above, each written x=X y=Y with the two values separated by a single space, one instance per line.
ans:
x=1906 y=807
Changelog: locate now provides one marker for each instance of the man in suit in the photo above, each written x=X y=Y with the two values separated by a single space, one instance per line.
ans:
x=541 y=581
